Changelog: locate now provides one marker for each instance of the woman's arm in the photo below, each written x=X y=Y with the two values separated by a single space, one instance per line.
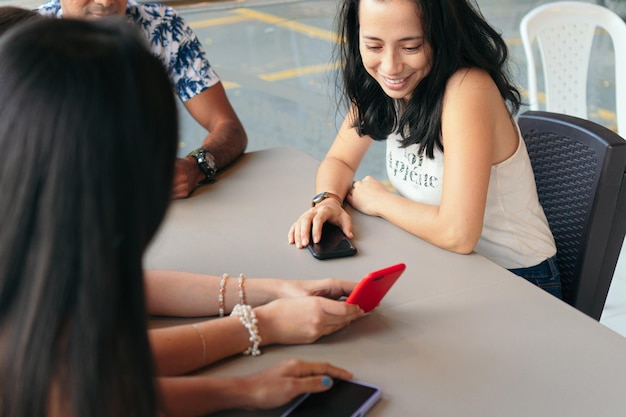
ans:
x=181 y=349
x=334 y=175
x=187 y=294
x=477 y=132
x=270 y=388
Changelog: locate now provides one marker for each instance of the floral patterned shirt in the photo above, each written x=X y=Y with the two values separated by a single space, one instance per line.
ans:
x=171 y=40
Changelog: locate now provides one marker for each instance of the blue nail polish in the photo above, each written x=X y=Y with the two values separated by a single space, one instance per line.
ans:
x=327 y=381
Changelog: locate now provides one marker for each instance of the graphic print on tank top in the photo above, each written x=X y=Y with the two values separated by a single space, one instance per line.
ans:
x=414 y=175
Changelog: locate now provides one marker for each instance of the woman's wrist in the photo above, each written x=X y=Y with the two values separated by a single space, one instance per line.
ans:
x=324 y=196
x=189 y=395
x=330 y=202
x=233 y=393
x=263 y=290
x=289 y=288
x=264 y=325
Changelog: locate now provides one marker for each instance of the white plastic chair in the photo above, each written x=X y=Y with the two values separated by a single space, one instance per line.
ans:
x=564 y=31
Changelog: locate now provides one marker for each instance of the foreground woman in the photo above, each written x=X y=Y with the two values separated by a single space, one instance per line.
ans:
x=88 y=136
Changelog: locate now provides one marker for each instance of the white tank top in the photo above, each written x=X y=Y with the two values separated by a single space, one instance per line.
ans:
x=515 y=229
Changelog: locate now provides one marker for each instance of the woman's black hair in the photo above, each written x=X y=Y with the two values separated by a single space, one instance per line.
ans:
x=459 y=37
x=88 y=138
x=12 y=16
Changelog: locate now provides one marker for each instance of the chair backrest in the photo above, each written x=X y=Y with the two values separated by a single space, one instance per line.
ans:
x=564 y=31
x=579 y=169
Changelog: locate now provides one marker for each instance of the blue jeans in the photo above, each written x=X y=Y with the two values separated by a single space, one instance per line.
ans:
x=544 y=275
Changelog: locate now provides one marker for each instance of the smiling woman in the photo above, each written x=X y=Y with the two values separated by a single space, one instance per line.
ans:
x=392 y=47
x=430 y=79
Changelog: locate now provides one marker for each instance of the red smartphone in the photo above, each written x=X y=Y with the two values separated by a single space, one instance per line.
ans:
x=373 y=287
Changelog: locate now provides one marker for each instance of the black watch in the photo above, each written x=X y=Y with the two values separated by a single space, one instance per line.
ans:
x=206 y=163
x=323 y=196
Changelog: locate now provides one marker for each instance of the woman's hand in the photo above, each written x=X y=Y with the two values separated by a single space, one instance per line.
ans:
x=311 y=221
x=365 y=194
x=276 y=386
x=329 y=288
x=200 y=395
x=263 y=290
x=303 y=319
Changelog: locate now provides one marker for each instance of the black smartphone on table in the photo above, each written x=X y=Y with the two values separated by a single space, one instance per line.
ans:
x=334 y=243
x=347 y=398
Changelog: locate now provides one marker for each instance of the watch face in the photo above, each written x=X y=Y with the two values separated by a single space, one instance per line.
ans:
x=197 y=153
x=319 y=197
x=206 y=162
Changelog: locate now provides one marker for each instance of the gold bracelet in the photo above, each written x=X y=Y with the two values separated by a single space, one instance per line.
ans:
x=195 y=326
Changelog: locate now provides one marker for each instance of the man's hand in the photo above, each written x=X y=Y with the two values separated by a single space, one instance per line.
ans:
x=187 y=175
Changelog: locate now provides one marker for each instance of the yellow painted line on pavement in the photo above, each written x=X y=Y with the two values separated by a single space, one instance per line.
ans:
x=218 y=21
x=310 y=31
x=609 y=117
x=297 y=72
x=513 y=41
x=244 y=14
x=229 y=84
x=541 y=97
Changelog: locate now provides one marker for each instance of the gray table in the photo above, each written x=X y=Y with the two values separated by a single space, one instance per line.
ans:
x=456 y=336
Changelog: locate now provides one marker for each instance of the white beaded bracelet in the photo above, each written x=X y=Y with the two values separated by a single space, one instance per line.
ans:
x=248 y=319
x=220 y=297
x=242 y=289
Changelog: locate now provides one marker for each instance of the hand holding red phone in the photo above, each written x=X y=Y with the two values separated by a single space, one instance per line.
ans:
x=373 y=287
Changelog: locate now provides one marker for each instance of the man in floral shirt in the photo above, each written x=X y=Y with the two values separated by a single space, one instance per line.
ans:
x=194 y=80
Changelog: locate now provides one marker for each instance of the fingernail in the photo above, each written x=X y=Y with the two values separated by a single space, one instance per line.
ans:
x=327 y=381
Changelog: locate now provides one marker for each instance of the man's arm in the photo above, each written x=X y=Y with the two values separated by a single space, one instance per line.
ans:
x=226 y=140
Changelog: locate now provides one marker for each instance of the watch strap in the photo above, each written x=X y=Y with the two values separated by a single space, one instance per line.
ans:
x=323 y=196
x=206 y=163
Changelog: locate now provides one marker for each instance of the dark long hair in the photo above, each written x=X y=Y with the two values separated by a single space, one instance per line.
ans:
x=459 y=37
x=11 y=16
x=88 y=135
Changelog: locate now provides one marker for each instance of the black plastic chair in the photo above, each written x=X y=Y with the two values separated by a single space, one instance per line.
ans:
x=580 y=168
